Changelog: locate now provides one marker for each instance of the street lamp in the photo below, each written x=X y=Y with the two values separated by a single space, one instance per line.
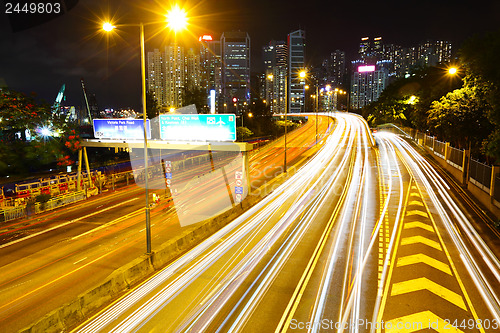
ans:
x=302 y=75
x=452 y=70
x=176 y=20
x=270 y=77
x=108 y=27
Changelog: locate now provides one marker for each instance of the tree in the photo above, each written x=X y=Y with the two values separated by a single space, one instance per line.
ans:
x=197 y=96
x=243 y=133
x=19 y=112
x=152 y=109
x=387 y=111
x=262 y=118
x=426 y=84
x=21 y=116
x=479 y=56
x=461 y=117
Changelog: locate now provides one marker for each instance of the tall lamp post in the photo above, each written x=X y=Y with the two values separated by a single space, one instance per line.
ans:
x=286 y=112
x=176 y=20
x=270 y=77
x=302 y=75
x=316 y=108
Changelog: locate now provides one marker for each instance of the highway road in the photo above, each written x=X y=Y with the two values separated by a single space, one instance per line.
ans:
x=360 y=239
x=51 y=258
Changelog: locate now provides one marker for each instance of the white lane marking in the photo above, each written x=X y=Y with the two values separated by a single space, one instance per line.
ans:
x=76 y=262
x=64 y=224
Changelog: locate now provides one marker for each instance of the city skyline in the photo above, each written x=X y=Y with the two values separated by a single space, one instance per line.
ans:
x=64 y=50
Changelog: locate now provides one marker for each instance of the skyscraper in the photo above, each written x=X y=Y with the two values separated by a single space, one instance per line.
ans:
x=334 y=69
x=296 y=59
x=211 y=69
x=193 y=69
x=432 y=53
x=275 y=62
x=155 y=76
x=364 y=47
x=235 y=47
x=367 y=83
x=166 y=73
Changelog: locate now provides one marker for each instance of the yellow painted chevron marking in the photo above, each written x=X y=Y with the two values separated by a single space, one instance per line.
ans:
x=416 y=202
x=426 y=284
x=419 y=321
x=420 y=239
x=424 y=259
x=410 y=225
x=416 y=212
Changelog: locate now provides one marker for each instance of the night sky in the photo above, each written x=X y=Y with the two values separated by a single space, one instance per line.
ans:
x=70 y=47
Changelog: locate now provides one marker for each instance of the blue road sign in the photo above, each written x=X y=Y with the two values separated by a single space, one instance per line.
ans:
x=168 y=175
x=238 y=190
x=198 y=127
x=121 y=129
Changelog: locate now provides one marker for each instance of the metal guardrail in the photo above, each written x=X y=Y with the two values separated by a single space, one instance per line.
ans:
x=429 y=142
x=456 y=158
x=483 y=176
x=496 y=192
x=480 y=174
x=440 y=148
x=59 y=201
x=11 y=213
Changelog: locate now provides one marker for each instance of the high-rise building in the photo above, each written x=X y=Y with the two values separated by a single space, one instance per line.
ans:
x=275 y=62
x=378 y=48
x=235 y=47
x=193 y=69
x=211 y=69
x=334 y=69
x=155 y=75
x=166 y=73
x=364 y=47
x=367 y=83
x=379 y=63
x=296 y=64
x=175 y=76
x=443 y=50
x=432 y=53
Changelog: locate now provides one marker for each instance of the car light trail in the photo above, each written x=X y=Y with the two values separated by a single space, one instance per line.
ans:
x=293 y=188
x=225 y=281
x=437 y=190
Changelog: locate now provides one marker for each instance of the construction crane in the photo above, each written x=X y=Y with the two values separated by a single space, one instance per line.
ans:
x=60 y=97
x=86 y=100
x=57 y=107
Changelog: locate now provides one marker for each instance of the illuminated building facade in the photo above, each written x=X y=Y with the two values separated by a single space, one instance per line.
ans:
x=275 y=61
x=211 y=70
x=334 y=70
x=367 y=83
x=155 y=75
x=296 y=58
x=235 y=51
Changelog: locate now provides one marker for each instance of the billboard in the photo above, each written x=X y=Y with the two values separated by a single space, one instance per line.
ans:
x=364 y=69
